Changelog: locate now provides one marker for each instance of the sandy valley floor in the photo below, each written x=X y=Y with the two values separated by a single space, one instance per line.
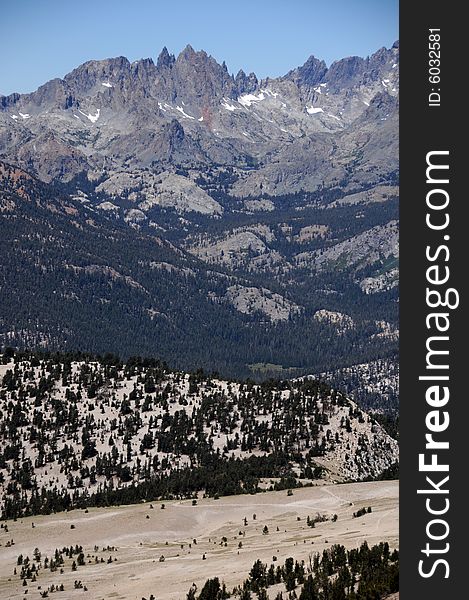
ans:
x=139 y=542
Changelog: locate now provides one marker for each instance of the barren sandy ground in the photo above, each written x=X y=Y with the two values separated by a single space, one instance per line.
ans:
x=141 y=541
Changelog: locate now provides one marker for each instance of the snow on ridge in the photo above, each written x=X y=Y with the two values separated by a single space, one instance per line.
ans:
x=227 y=105
x=183 y=112
x=247 y=100
x=394 y=66
x=24 y=116
x=318 y=89
x=107 y=84
x=312 y=111
x=160 y=106
x=92 y=118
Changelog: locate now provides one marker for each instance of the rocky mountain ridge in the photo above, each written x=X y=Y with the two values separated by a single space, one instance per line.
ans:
x=173 y=209
x=189 y=111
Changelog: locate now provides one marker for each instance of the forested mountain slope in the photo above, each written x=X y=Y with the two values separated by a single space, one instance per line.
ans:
x=76 y=432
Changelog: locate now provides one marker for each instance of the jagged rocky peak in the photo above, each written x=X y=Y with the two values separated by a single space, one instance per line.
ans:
x=144 y=71
x=345 y=72
x=89 y=74
x=201 y=78
x=144 y=64
x=6 y=101
x=379 y=64
x=188 y=52
x=165 y=60
x=310 y=74
x=354 y=70
x=246 y=84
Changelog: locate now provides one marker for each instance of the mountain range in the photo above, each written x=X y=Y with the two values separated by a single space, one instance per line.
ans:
x=170 y=208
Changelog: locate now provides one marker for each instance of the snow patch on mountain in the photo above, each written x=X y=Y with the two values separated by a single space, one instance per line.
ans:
x=183 y=112
x=228 y=106
x=311 y=110
x=89 y=116
x=248 y=100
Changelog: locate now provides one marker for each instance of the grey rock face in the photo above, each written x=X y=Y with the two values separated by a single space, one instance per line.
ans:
x=165 y=60
x=310 y=74
x=282 y=134
x=245 y=84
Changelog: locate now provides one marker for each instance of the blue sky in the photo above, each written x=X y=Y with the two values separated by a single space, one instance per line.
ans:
x=43 y=39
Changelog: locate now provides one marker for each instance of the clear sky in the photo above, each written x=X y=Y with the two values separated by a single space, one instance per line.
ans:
x=43 y=39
